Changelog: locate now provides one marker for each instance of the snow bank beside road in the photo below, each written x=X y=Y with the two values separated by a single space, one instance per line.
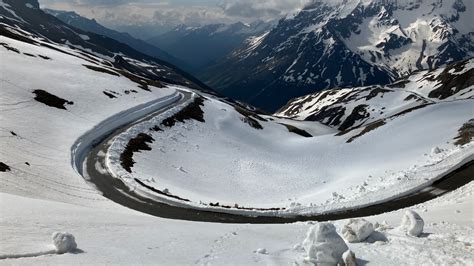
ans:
x=36 y=139
x=310 y=175
x=84 y=143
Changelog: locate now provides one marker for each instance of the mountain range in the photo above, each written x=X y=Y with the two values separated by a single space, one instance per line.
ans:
x=111 y=156
x=91 y=25
x=202 y=46
x=342 y=44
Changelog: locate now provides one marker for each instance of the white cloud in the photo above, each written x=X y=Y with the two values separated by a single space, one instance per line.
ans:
x=169 y=13
x=266 y=9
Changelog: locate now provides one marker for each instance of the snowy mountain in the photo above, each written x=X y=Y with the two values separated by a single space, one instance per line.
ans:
x=343 y=44
x=126 y=154
x=28 y=23
x=202 y=46
x=347 y=125
x=350 y=108
x=91 y=25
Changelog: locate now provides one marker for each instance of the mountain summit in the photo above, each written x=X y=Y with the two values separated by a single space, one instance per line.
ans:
x=345 y=43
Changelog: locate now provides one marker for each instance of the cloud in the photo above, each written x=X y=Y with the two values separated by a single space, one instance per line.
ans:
x=169 y=13
x=266 y=9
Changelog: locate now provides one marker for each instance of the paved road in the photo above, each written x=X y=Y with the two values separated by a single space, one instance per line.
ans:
x=115 y=190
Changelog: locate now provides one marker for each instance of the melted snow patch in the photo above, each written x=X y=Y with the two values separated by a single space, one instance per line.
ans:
x=84 y=37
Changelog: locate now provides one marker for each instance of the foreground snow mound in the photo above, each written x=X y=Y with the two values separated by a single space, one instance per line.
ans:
x=64 y=242
x=323 y=245
x=357 y=230
x=349 y=258
x=412 y=223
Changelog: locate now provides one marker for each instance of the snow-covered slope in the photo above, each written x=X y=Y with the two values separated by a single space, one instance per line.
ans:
x=344 y=44
x=307 y=174
x=52 y=95
x=110 y=236
x=20 y=19
x=354 y=107
x=91 y=25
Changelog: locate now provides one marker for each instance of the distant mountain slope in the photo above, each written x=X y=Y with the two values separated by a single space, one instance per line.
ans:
x=201 y=46
x=343 y=44
x=25 y=21
x=91 y=25
x=350 y=108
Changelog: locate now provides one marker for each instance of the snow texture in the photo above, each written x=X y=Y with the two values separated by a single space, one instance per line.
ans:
x=323 y=245
x=357 y=230
x=43 y=192
x=412 y=223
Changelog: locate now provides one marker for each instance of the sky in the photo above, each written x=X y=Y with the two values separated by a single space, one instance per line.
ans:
x=165 y=14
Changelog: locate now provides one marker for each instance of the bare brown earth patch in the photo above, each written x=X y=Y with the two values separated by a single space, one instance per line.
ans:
x=110 y=95
x=102 y=70
x=192 y=111
x=4 y=167
x=367 y=129
x=358 y=113
x=452 y=83
x=9 y=48
x=466 y=133
x=399 y=84
x=51 y=100
x=250 y=118
x=44 y=57
x=137 y=144
x=296 y=130
x=379 y=123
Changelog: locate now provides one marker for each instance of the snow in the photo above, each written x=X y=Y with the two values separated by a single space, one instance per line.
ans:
x=84 y=37
x=252 y=44
x=323 y=245
x=357 y=230
x=64 y=242
x=436 y=150
x=412 y=223
x=300 y=174
x=349 y=258
x=45 y=135
x=48 y=195
x=26 y=223
x=261 y=251
x=427 y=24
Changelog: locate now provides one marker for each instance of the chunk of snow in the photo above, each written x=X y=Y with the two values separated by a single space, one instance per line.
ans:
x=64 y=242
x=84 y=37
x=357 y=230
x=324 y=245
x=298 y=247
x=261 y=251
x=412 y=223
x=382 y=226
x=436 y=150
x=377 y=237
x=349 y=258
